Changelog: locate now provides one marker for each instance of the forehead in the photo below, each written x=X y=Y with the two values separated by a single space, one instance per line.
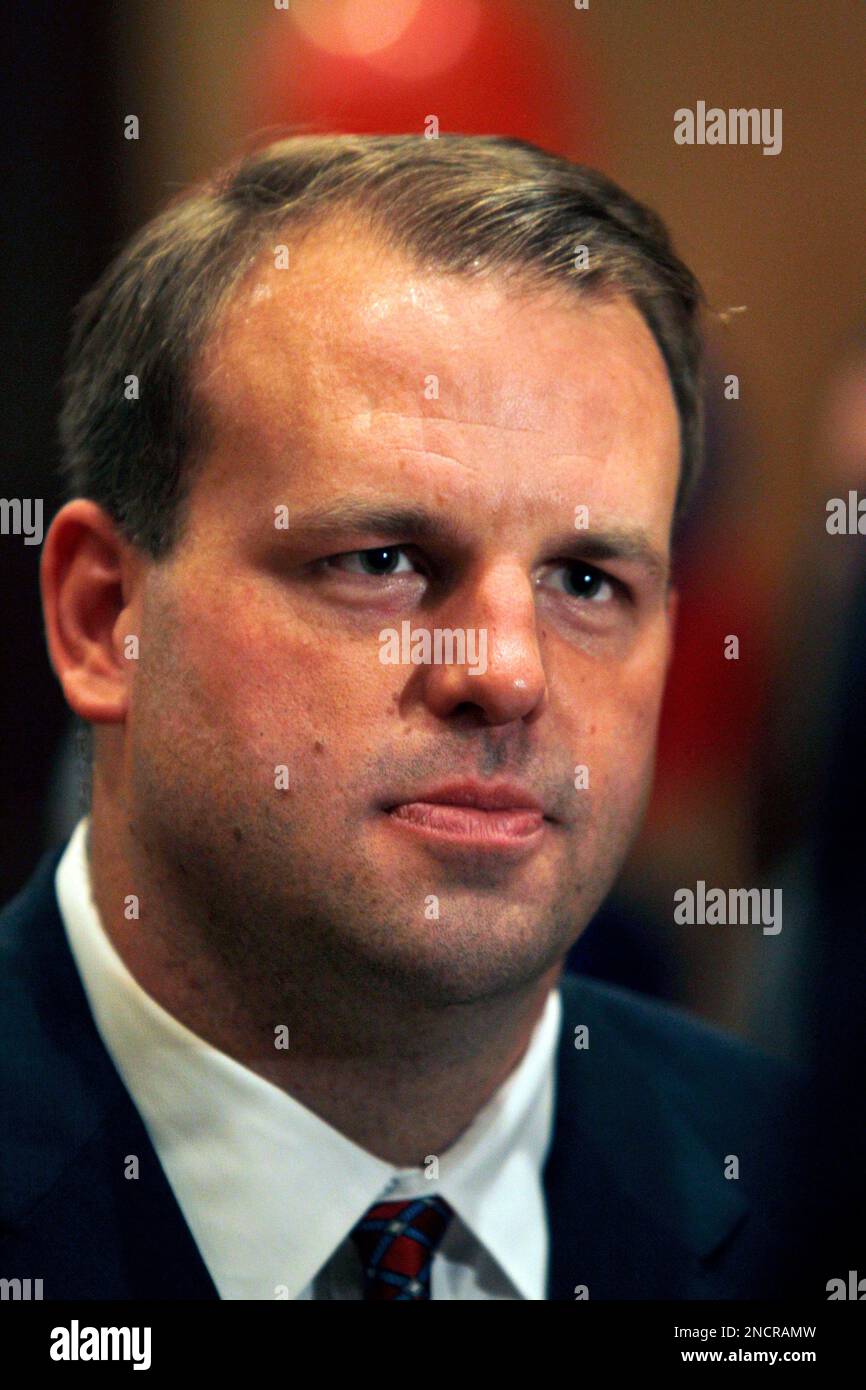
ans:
x=354 y=352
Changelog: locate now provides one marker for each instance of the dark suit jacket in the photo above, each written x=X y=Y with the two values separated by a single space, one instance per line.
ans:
x=638 y=1203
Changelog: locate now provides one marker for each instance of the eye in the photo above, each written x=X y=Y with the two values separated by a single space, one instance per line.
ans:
x=379 y=563
x=585 y=582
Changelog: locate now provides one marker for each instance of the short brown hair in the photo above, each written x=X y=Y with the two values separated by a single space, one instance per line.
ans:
x=460 y=204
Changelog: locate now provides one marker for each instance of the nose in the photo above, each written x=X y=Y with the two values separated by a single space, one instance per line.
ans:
x=503 y=676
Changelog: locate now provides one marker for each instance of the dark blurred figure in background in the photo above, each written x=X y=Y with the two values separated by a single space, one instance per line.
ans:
x=813 y=826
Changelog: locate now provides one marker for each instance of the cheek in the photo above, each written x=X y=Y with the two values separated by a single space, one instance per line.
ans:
x=614 y=712
x=279 y=693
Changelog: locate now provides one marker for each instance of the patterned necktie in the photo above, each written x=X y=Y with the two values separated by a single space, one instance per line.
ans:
x=397 y=1242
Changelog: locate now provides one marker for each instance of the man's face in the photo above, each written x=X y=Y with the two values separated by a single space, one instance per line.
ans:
x=349 y=385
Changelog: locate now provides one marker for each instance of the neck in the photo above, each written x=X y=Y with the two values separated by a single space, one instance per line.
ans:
x=399 y=1076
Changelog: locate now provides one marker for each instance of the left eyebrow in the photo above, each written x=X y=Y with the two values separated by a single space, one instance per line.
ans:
x=627 y=544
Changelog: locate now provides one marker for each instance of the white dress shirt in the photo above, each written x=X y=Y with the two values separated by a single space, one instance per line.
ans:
x=269 y=1190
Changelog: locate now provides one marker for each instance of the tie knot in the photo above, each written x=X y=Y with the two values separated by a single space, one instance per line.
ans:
x=396 y=1242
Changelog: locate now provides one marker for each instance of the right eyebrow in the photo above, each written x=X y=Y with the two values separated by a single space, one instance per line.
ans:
x=391 y=520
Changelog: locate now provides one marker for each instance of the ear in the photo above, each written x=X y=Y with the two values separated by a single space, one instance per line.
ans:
x=88 y=579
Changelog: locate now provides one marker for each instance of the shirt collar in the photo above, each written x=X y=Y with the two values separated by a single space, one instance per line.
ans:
x=268 y=1189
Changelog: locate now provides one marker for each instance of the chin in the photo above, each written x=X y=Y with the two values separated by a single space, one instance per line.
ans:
x=464 y=967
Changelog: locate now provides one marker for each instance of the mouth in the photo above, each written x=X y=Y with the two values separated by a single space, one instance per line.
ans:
x=502 y=819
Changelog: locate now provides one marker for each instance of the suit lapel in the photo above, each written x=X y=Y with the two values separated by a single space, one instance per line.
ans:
x=636 y=1202
x=84 y=1201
